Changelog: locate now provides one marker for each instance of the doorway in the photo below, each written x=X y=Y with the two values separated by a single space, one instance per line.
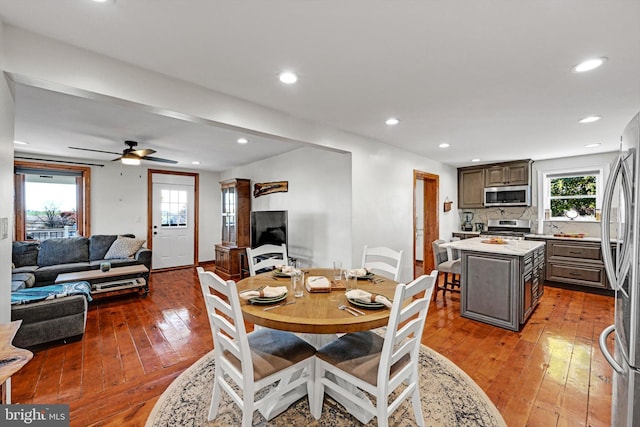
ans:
x=426 y=226
x=173 y=219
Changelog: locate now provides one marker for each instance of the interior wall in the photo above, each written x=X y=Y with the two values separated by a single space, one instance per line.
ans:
x=318 y=202
x=6 y=186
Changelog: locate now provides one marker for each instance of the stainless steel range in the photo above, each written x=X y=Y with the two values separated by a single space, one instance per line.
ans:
x=508 y=229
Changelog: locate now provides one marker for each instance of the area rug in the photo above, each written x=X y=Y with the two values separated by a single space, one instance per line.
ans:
x=449 y=398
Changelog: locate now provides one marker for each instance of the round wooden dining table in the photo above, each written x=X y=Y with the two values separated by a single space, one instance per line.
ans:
x=315 y=312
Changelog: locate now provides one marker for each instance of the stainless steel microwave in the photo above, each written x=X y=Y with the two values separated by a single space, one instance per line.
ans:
x=517 y=195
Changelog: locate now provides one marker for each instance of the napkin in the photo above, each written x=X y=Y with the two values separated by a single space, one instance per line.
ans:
x=268 y=291
x=364 y=296
x=318 y=284
x=285 y=269
x=358 y=272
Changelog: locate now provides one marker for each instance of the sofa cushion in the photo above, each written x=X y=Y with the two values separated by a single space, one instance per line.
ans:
x=124 y=247
x=24 y=253
x=16 y=285
x=25 y=269
x=47 y=275
x=99 y=244
x=26 y=279
x=63 y=251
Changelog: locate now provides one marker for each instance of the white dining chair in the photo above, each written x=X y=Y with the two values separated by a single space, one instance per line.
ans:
x=379 y=365
x=382 y=261
x=266 y=256
x=252 y=362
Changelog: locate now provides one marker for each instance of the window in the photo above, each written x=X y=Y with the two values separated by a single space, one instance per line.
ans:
x=572 y=191
x=173 y=208
x=50 y=201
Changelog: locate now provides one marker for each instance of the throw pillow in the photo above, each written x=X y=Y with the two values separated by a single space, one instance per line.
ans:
x=124 y=247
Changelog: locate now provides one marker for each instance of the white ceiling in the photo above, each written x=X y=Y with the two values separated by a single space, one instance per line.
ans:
x=491 y=78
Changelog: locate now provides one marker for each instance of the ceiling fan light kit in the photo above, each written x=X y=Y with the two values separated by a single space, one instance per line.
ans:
x=130 y=159
x=131 y=155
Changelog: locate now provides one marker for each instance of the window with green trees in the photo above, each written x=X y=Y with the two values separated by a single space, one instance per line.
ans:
x=578 y=192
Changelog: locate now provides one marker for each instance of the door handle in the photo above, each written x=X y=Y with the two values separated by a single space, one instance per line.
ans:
x=605 y=351
x=155 y=232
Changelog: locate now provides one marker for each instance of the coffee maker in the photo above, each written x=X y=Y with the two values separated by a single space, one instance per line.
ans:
x=467 y=225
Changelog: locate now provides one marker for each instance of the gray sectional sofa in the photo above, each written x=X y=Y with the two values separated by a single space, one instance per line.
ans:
x=39 y=263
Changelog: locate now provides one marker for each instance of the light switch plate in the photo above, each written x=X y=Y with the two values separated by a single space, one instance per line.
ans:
x=4 y=228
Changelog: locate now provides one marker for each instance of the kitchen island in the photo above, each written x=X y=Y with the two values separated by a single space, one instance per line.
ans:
x=501 y=280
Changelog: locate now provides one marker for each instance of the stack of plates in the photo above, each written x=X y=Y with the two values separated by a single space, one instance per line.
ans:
x=367 y=305
x=267 y=300
x=279 y=273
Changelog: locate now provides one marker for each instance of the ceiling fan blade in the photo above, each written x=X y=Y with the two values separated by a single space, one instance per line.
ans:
x=158 y=159
x=143 y=153
x=90 y=149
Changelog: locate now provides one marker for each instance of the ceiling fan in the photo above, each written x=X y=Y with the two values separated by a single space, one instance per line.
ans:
x=131 y=155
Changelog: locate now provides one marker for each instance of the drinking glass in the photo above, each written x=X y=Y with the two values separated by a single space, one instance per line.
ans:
x=349 y=280
x=297 y=283
x=337 y=270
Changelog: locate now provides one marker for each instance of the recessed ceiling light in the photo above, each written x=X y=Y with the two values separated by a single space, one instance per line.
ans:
x=589 y=119
x=287 y=77
x=392 y=121
x=104 y=1
x=444 y=145
x=595 y=144
x=589 y=64
x=475 y=160
x=20 y=143
x=242 y=140
x=195 y=163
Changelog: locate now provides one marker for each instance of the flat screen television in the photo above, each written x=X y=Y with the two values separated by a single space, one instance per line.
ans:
x=268 y=227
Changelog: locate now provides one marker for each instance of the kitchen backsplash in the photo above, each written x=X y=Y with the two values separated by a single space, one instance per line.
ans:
x=590 y=228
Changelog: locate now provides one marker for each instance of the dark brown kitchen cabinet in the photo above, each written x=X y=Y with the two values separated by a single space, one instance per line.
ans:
x=470 y=188
x=236 y=228
x=516 y=173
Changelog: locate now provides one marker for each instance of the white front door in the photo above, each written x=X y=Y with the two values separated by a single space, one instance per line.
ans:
x=173 y=228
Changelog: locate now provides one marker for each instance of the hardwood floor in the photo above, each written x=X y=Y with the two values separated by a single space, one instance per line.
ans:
x=550 y=374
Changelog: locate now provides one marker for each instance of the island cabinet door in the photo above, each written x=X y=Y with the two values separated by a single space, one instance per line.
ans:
x=489 y=289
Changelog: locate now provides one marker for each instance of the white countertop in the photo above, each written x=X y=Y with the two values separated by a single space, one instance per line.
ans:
x=551 y=236
x=511 y=247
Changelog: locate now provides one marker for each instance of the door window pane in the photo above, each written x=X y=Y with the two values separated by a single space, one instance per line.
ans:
x=173 y=208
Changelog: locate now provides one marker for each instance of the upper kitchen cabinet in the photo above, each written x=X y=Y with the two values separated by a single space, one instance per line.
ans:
x=470 y=187
x=516 y=173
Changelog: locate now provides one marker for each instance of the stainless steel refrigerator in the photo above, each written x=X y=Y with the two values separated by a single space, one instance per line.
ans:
x=621 y=250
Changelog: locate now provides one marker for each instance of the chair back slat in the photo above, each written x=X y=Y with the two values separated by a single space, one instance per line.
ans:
x=225 y=316
x=266 y=256
x=401 y=339
x=383 y=260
